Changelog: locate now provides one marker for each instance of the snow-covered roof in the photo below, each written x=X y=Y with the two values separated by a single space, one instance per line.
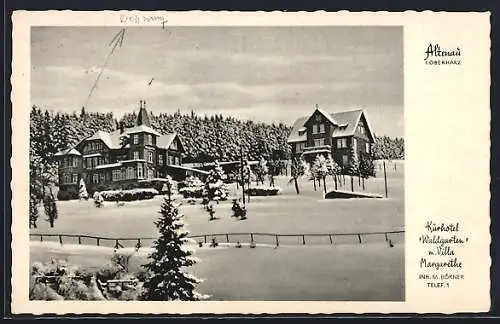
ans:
x=346 y=122
x=141 y=129
x=69 y=151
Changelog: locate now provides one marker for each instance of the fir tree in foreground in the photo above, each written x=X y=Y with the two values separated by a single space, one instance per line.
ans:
x=166 y=280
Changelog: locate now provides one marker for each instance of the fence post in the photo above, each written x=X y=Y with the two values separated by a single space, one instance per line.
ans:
x=303 y=239
x=205 y=239
x=385 y=181
x=79 y=240
x=330 y=236
x=97 y=241
x=359 y=238
x=41 y=238
x=116 y=244
x=60 y=239
x=227 y=238
x=251 y=237
x=277 y=241
x=386 y=238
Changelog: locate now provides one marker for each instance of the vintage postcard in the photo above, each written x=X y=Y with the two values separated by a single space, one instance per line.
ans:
x=230 y=162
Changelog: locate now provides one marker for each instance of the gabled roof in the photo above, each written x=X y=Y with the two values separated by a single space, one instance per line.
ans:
x=101 y=135
x=165 y=140
x=328 y=116
x=140 y=129
x=68 y=151
x=297 y=126
x=346 y=120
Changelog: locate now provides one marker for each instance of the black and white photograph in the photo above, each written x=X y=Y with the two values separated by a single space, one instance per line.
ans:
x=219 y=163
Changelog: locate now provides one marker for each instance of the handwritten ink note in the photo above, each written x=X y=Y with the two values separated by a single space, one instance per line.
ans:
x=134 y=19
x=441 y=265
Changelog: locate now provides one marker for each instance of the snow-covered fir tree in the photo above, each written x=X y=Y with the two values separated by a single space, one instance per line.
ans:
x=166 y=279
x=82 y=191
x=261 y=170
x=215 y=189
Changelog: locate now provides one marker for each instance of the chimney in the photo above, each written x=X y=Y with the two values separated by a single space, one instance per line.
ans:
x=121 y=128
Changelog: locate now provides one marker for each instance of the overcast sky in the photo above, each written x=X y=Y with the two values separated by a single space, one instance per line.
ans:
x=262 y=73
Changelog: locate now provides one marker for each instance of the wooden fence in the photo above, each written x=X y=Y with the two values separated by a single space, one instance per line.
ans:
x=255 y=238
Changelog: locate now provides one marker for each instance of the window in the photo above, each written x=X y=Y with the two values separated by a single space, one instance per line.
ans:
x=130 y=173
x=74 y=178
x=160 y=159
x=95 y=178
x=173 y=146
x=315 y=129
x=149 y=139
x=176 y=160
x=96 y=162
x=140 y=174
x=341 y=143
x=354 y=144
x=150 y=157
x=170 y=160
x=151 y=174
x=300 y=147
x=67 y=178
x=345 y=159
x=116 y=175
x=102 y=177
x=136 y=155
x=361 y=128
x=367 y=147
x=321 y=128
x=319 y=142
x=136 y=139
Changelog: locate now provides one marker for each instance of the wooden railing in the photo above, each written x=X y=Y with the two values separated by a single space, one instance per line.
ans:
x=252 y=238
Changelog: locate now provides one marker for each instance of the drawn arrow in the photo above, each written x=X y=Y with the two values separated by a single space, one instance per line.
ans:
x=115 y=42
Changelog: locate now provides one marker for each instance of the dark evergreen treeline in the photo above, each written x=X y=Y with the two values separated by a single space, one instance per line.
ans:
x=216 y=137
x=388 y=148
x=206 y=138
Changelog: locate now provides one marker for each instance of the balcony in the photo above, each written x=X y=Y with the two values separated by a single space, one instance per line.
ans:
x=317 y=149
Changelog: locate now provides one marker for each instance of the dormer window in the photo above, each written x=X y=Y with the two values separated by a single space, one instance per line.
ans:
x=321 y=128
x=302 y=131
x=173 y=146
x=315 y=129
x=136 y=155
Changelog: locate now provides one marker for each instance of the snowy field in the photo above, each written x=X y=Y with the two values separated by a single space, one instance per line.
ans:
x=370 y=271
x=287 y=213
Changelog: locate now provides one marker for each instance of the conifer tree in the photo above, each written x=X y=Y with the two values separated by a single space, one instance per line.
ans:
x=49 y=204
x=82 y=191
x=166 y=279
x=261 y=170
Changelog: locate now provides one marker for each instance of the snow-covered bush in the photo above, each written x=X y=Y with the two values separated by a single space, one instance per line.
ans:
x=263 y=191
x=192 y=188
x=128 y=195
x=57 y=280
